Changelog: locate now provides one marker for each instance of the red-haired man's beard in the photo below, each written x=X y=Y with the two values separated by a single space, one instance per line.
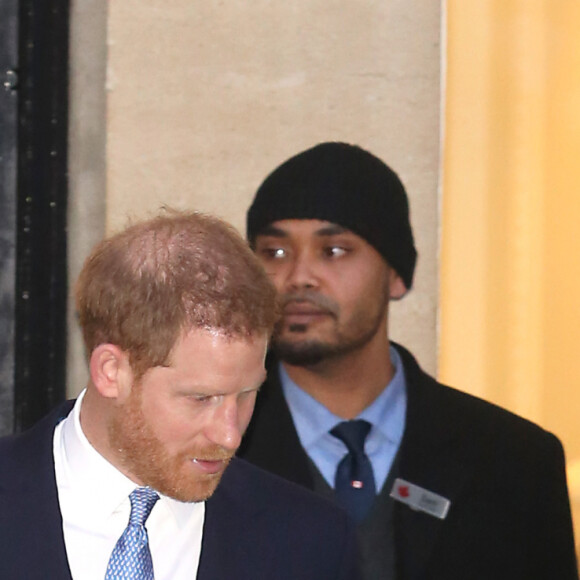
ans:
x=145 y=458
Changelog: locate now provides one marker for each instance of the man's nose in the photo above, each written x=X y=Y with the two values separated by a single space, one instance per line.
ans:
x=301 y=274
x=224 y=427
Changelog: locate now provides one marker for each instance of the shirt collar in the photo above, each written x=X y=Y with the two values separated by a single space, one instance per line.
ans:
x=386 y=412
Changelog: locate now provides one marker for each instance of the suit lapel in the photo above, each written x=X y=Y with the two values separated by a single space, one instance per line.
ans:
x=228 y=547
x=417 y=532
x=431 y=456
x=214 y=559
x=32 y=501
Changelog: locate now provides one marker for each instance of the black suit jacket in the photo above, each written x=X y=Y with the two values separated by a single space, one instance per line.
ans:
x=505 y=477
x=256 y=525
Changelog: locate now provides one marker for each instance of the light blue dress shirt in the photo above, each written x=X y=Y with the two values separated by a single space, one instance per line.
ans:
x=386 y=414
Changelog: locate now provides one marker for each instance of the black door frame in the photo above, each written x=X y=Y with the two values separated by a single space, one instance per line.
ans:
x=39 y=347
x=8 y=157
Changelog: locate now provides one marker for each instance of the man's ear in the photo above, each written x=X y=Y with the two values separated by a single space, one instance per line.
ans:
x=397 y=288
x=110 y=371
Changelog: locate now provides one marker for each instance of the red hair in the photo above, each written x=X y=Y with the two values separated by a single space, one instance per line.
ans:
x=142 y=287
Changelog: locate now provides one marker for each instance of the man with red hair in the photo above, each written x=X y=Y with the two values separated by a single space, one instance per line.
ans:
x=137 y=478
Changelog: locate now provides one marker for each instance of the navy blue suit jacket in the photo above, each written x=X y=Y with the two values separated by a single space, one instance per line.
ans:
x=256 y=525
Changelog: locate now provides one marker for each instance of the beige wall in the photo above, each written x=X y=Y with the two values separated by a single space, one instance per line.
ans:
x=202 y=100
x=205 y=98
x=87 y=170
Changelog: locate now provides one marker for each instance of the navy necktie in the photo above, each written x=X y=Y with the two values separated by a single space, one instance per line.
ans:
x=354 y=485
x=131 y=558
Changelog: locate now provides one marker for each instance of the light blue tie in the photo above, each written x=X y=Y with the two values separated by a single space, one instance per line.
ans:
x=131 y=558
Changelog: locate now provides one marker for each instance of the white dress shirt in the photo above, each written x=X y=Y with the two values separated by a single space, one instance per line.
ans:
x=95 y=507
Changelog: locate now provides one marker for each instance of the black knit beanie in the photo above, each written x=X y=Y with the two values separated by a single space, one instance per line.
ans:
x=348 y=186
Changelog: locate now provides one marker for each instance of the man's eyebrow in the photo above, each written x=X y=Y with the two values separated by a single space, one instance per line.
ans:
x=273 y=231
x=332 y=230
x=329 y=230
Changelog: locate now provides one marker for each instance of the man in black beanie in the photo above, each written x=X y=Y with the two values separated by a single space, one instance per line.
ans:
x=442 y=485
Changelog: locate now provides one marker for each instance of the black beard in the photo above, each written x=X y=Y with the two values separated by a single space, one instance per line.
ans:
x=312 y=352
x=301 y=355
x=308 y=353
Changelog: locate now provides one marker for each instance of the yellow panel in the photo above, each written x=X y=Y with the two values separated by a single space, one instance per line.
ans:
x=510 y=272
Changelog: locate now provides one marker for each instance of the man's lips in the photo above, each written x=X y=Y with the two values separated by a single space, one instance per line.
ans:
x=302 y=310
x=303 y=315
x=211 y=466
x=305 y=308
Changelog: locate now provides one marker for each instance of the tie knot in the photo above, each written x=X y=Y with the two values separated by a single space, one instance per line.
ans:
x=352 y=434
x=142 y=501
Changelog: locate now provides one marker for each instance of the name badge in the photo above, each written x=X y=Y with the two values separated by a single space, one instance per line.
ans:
x=420 y=499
